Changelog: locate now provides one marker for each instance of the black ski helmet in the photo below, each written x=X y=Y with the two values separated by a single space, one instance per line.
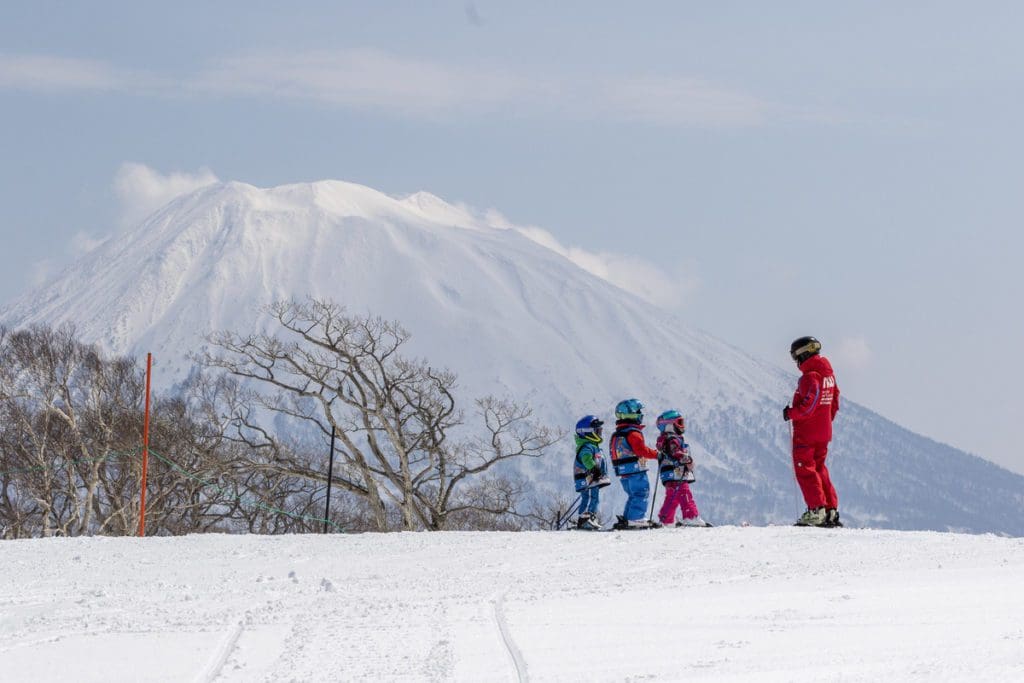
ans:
x=803 y=348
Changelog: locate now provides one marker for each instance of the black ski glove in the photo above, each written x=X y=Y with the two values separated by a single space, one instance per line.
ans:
x=785 y=413
x=595 y=471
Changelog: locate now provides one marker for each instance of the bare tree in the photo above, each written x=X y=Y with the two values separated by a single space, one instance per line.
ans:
x=395 y=417
x=71 y=421
x=70 y=427
x=65 y=413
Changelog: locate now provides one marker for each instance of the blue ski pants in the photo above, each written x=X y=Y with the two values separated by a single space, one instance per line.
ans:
x=637 y=488
x=589 y=499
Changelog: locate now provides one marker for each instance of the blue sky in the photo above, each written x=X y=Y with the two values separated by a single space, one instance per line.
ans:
x=848 y=170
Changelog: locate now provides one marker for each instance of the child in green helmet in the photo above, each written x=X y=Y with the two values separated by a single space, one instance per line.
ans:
x=589 y=474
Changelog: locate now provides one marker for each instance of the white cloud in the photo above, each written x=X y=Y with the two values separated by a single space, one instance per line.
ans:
x=83 y=242
x=854 y=353
x=46 y=73
x=631 y=273
x=672 y=101
x=365 y=78
x=142 y=190
x=41 y=271
x=378 y=80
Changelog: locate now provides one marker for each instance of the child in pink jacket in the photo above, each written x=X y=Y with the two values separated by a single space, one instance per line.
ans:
x=676 y=471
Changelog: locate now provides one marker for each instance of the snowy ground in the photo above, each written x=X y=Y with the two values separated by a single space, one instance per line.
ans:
x=723 y=604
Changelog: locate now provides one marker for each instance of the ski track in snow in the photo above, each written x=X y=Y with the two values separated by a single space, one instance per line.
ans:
x=220 y=658
x=708 y=605
x=506 y=637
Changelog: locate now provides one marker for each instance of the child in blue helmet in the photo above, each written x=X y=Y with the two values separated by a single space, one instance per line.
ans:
x=629 y=456
x=676 y=471
x=588 y=471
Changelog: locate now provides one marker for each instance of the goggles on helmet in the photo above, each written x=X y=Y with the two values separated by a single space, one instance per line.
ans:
x=671 y=419
x=803 y=348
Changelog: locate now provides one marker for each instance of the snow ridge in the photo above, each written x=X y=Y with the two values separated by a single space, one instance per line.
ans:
x=722 y=604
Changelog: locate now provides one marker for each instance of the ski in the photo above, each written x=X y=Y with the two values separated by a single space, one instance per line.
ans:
x=622 y=525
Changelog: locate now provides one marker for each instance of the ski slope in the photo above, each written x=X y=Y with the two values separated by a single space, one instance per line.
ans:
x=722 y=604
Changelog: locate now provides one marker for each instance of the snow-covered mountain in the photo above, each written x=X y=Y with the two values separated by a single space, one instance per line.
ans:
x=511 y=316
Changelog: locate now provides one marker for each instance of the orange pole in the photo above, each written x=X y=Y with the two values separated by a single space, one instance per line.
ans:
x=145 y=448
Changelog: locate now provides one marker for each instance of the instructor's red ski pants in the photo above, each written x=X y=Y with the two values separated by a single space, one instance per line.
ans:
x=812 y=475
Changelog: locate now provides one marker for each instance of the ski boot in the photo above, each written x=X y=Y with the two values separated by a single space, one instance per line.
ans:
x=623 y=524
x=642 y=524
x=832 y=518
x=697 y=521
x=587 y=523
x=815 y=517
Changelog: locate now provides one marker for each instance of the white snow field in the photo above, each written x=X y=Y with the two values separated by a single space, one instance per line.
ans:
x=722 y=604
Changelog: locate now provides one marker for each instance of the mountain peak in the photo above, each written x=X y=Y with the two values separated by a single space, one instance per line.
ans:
x=335 y=198
x=512 y=317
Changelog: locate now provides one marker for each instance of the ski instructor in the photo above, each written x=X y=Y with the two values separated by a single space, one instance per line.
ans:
x=814 y=406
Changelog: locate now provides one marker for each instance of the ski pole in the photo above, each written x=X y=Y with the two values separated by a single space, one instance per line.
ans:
x=575 y=508
x=796 y=485
x=650 y=517
x=562 y=520
x=572 y=508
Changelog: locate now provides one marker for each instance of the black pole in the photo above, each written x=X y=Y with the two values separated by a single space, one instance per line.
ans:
x=330 y=477
x=572 y=508
x=650 y=517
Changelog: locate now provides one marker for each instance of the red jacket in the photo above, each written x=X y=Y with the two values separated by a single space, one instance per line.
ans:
x=636 y=442
x=815 y=402
x=628 y=450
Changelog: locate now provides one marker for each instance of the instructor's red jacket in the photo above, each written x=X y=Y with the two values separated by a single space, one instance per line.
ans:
x=815 y=402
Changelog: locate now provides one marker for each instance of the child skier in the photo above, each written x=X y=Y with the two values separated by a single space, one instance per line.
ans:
x=676 y=470
x=629 y=455
x=589 y=473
